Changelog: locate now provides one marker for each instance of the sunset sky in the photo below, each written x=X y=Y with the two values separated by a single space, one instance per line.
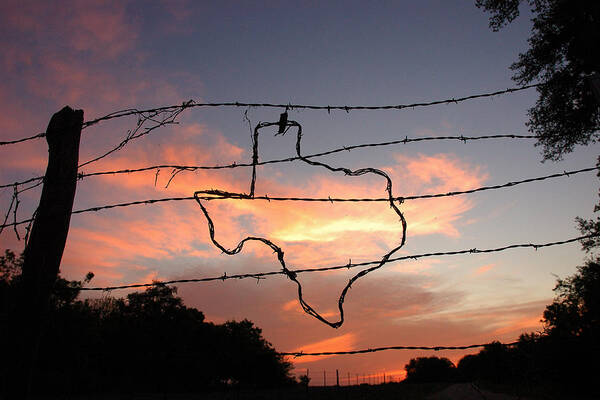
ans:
x=103 y=56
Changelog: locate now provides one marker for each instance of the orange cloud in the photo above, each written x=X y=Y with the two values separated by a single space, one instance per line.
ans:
x=441 y=172
x=504 y=321
x=483 y=269
x=102 y=28
x=310 y=234
x=340 y=343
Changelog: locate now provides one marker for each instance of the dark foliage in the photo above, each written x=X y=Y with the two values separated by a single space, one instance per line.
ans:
x=147 y=342
x=590 y=227
x=559 y=358
x=563 y=55
x=575 y=312
x=430 y=369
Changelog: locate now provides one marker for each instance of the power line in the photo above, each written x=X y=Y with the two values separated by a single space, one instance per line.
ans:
x=373 y=350
x=191 y=103
x=233 y=165
x=222 y=195
x=264 y=275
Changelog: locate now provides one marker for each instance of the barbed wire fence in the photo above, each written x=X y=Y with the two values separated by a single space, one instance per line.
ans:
x=152 y=119
x=343 y=377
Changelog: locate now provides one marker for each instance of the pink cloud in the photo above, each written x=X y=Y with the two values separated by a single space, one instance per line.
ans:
x=99 y=27
x=103 y=28
x=484 y=268
x=314 y=235
x=339 y=343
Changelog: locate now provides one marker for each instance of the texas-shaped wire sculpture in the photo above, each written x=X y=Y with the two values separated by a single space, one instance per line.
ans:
x=284 y=125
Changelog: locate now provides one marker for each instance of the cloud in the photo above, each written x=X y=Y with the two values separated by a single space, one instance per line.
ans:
x=312 y=235
x=98 y=27
x=339 y=343
x=483 y=269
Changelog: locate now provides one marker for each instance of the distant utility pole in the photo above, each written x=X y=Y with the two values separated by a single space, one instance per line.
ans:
x=324 y=379
x=337 y=378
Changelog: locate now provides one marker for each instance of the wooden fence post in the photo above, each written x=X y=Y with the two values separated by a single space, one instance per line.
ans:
x=47 y=239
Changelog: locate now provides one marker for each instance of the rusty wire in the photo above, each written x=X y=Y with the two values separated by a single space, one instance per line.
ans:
x=180 y=108
x=350 y=265
x=222 y=195
x=375 y=349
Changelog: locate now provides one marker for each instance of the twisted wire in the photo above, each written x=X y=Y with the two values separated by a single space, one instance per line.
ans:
x=39 y=135
x=376 y=349
x=191 y=103
x=328 y=108
x=234 y=165
x=223 y=195
x=263 y=275
x=159 y=119
x=284 y=125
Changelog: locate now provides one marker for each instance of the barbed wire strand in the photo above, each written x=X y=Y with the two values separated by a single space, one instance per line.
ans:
x=168 y=119
x=39 y=135
x=16 y=202
x=350 y=265
x=328 y=108
x=283 y=126
x=222 y=195
x=191 y=103
x=233 y=165
x=376 y=349
x=10 y=207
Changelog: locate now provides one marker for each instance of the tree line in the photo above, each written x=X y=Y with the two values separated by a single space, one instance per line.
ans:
x=560 y=360
x=145 y=342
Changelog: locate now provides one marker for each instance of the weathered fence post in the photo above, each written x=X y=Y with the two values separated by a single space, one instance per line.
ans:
x=47 y=239
x=51 y=225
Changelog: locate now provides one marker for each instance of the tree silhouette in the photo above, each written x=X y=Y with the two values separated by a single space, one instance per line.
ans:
x=146 y=342
x=575 y=311
x=562 y=55
x=430 y=369
x=558 y=359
